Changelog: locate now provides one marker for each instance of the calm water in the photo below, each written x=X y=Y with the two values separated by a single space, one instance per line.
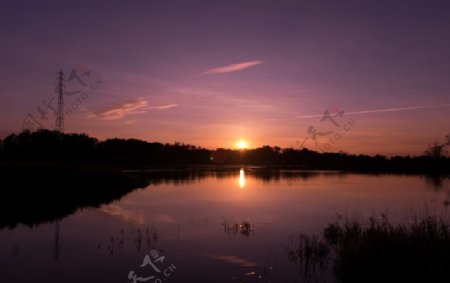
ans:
x=210 y=227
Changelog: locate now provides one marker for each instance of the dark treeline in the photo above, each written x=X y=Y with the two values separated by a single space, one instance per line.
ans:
x=45 y=145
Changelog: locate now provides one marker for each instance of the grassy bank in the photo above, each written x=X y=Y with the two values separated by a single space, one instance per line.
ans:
x=378 y=251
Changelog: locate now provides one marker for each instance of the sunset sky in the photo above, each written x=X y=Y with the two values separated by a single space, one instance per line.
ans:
x=212 y=73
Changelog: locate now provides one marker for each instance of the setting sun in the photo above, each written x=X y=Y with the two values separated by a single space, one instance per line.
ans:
x=242 y=144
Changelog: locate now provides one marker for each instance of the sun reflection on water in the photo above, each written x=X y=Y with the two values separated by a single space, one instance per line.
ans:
x=241 y=178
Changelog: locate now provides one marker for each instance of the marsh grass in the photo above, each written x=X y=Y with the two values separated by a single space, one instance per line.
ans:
x=379 y=251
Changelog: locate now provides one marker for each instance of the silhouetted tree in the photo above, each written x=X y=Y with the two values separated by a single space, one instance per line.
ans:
x=435 y=150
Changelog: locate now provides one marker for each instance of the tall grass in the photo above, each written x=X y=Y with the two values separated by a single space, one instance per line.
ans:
x=379 y=251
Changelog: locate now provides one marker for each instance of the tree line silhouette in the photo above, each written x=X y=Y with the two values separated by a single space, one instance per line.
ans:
x=45 y=145
x=52 y=146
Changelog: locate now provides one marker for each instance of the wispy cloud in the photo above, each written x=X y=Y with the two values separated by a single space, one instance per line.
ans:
x=164 y=107
x=233 y=67
x=378 y=110
x=129 y=107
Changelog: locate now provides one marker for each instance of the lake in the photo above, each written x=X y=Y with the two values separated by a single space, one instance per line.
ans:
x=236 y=225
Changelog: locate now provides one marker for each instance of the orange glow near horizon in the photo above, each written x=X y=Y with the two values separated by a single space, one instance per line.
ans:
x=370 y=135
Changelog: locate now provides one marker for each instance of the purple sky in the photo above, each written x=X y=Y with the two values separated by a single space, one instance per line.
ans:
x=213 y=72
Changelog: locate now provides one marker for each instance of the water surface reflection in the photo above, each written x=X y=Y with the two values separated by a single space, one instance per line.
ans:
x=214 y=225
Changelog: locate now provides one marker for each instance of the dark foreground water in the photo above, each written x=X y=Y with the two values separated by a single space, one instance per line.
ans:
x=212 y=227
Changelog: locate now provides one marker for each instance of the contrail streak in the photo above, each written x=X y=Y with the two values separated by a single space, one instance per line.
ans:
x=378 y=110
